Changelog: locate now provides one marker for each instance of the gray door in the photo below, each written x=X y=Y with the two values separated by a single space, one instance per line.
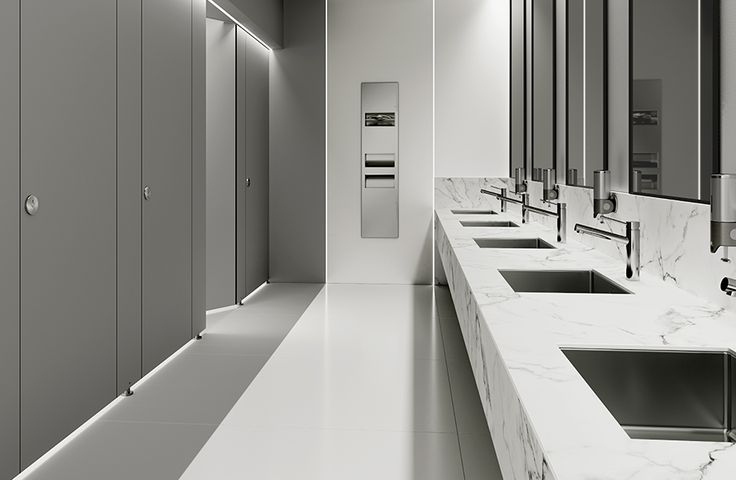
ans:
x=251 y=164
x=167 y=167
x=67 y=254
x=9 y=241
x=256 y=164
x=220 y=164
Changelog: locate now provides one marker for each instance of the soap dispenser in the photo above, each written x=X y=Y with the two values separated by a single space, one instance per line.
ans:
x=604 y=202
x=519 y=180
x=722 y=212
x=549 y=188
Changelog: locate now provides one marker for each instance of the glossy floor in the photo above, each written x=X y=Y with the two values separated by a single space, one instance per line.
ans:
x=371 y=382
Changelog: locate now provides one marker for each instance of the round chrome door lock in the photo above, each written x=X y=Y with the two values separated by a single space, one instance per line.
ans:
x=247 y=182
x=147 y=192
x=31 y=204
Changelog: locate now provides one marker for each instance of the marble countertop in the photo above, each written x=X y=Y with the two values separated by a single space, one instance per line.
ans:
x=578 y=437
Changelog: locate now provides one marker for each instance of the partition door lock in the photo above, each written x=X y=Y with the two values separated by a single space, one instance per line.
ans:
x=247 y=182
x=147 y=192
x=31 y=204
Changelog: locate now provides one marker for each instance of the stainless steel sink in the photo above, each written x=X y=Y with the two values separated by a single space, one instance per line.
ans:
x=560 y=281
x=512 y=243
x=471 y=211
x=666 y=395
x=487 y=223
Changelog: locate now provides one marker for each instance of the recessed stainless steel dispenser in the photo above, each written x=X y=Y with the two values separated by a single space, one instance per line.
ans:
x=519 y=180
x=379 y=160
x=549 y=188
x=722 y=211
x=604 y=202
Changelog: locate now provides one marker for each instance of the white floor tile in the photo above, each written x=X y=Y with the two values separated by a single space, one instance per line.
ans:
x=281 y=454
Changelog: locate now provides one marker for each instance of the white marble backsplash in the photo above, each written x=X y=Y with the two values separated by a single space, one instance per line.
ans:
x=675 y=235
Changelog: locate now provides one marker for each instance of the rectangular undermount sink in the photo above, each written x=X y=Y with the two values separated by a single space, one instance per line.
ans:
x=472 y=211
x=663 y=395
x=560 y=281
x=487 y=223
x=512 y=243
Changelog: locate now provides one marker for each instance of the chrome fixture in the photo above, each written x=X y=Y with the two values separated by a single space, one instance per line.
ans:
x=31 y=205
x=722 y=213
x=503 y=197
x=631 y=240
x=550 y=191
x=728 y=285
x=572 y=176
x=604 y=201
x=519 y=180
x=560 y=213
x=636 y=181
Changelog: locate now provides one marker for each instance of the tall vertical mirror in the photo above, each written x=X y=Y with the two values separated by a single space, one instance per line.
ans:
x=543 y=133
x=518 y=87
x=674 y=97
x=586 y=90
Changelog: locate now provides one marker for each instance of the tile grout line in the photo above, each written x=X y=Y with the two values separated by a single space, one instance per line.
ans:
x=449 y=382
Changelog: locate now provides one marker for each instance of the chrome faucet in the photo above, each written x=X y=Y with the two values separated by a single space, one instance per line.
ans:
x=728 y=285
x=503 y=197
x=631 y=240
x=560 y=213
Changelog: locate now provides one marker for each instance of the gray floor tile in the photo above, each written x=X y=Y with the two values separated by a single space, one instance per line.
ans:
x=125 y=451
x=191 y=389
x=479 y=457
x=283 y=298
x=465 y=399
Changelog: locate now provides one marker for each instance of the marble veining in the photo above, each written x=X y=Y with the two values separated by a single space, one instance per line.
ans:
x=675 y=235
x=545 y=421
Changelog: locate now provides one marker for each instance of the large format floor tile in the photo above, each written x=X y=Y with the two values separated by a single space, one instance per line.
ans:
x=156 y=433
x=312 y=454
x=127 y=450
x=370 y=382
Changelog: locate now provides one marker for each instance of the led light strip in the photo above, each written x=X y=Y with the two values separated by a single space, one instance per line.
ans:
x=82 y=428
x=224 y=12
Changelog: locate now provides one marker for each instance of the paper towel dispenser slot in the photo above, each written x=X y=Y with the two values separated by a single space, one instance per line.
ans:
x=373 y=160
x=380 y=181
x=380 y=119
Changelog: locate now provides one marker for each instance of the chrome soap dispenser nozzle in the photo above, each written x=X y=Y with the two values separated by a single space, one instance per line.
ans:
x=604 y=202
x=519 y=180
x=722 y=211
x=549 y=188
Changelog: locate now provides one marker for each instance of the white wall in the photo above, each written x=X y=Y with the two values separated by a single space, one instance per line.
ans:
x=220 y=241
x=472 y=88
x=379 y=40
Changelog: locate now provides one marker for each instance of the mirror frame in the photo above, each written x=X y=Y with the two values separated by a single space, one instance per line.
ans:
x=715 y=71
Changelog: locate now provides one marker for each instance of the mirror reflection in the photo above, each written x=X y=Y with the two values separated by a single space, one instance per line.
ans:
x=674 y=104
x=586 y=90
x=518 y=86
x=543 y=83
